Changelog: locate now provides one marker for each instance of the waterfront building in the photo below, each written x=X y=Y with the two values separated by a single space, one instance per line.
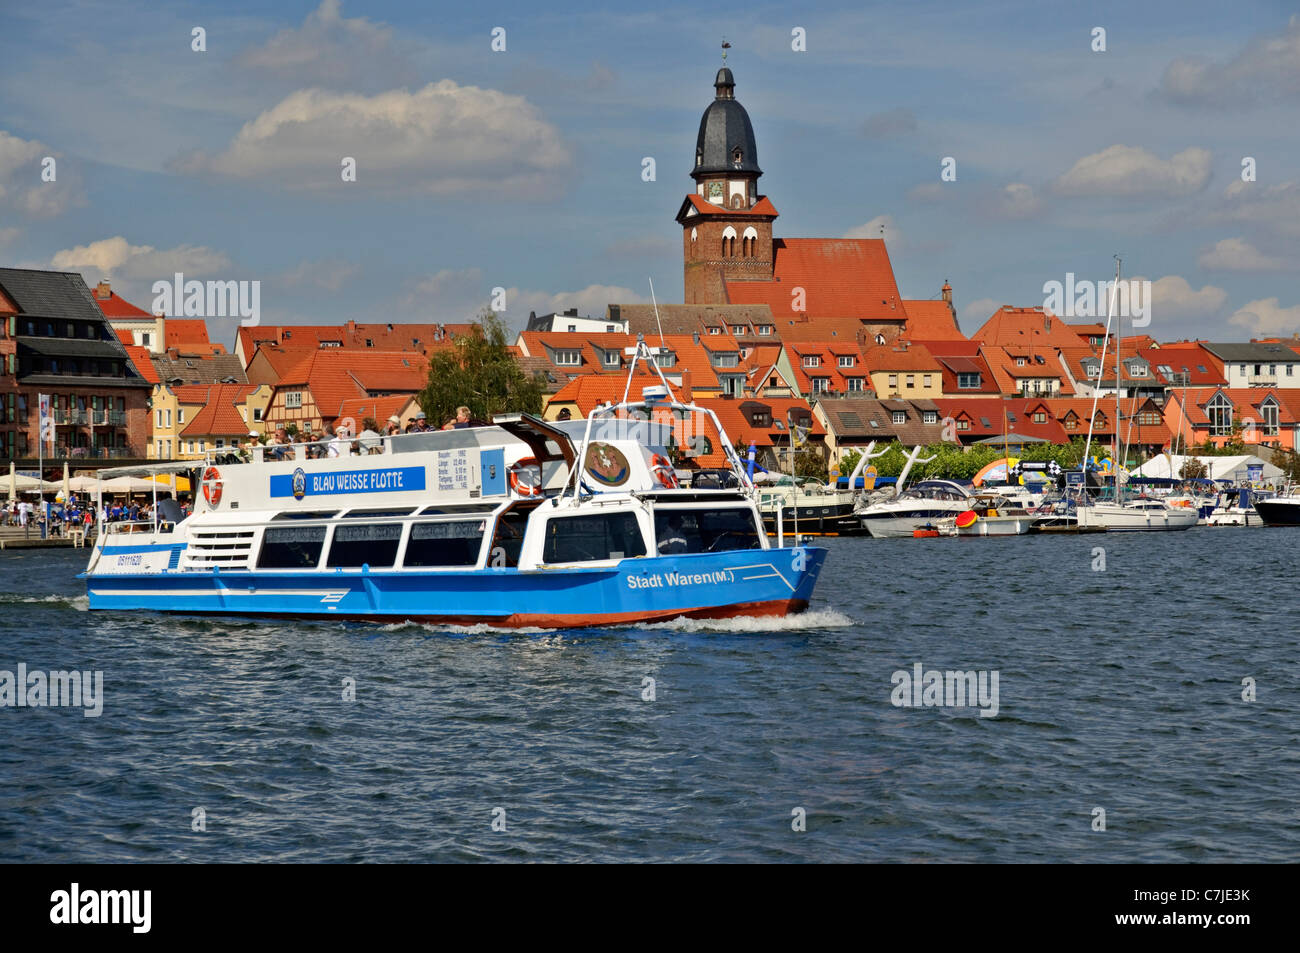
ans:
x=55 y=340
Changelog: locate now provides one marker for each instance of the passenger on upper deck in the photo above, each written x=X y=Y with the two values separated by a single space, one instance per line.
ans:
x=394 y=426
x=278 y=449
x=461 y=421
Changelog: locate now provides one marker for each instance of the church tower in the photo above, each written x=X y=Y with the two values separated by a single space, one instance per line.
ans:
x=726 y=224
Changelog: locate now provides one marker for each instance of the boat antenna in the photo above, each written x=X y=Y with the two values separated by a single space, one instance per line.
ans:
x=662 y=345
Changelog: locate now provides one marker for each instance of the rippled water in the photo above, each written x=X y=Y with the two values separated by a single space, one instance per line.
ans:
x=1119 y=689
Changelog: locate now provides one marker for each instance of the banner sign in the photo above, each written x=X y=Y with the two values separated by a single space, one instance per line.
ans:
x=388 y=480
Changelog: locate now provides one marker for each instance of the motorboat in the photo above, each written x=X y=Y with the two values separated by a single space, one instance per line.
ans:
x=922 y=503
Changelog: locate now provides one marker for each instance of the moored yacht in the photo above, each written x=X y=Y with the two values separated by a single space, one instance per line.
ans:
x=922 y=503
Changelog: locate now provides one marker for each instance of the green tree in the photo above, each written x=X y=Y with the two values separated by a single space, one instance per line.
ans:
x=479 y=372
x=1193 y=469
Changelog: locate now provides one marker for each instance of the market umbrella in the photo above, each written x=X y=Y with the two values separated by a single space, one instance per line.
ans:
x=83 y=484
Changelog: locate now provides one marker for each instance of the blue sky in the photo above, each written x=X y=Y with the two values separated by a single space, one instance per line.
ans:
x=522 y=169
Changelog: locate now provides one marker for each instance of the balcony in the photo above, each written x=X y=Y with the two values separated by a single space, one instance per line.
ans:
x=1264 y=380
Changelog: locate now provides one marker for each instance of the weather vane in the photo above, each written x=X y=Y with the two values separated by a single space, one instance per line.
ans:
x=725 y=46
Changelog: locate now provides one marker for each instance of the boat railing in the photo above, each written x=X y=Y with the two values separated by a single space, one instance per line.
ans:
x=650 y=404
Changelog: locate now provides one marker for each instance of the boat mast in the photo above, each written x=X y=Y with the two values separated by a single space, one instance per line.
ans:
x=1096 y=391
x=1119 y=338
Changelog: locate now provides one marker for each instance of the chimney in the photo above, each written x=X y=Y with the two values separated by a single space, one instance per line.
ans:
x=696 y=337
x=173 y=354
x=279 y=335
x=102 y=291
x=684 y=390
x=352 y=327
x=159 y=334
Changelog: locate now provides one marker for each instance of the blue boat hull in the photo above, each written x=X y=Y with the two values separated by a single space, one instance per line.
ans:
x=704 y=585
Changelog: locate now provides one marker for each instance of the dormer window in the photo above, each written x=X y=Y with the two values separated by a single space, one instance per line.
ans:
x=568 y=358
x=899 y=417
x=846 y=360
x=699 y=158
x=737 y=157
x=611 y=359
x=812 y=360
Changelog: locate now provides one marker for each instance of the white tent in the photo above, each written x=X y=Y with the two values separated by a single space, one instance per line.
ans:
x=126 y=484
x=1235 y=468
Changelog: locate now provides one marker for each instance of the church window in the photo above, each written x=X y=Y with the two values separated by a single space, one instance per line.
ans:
x=737 y=157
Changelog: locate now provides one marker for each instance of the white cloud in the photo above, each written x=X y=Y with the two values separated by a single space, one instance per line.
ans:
x=1133 y=171
x=974 y=315
x=882 y=226
x=1237 y=254
x=1268 y=68
x=1173 y=297
x=21 y=185
x=1017 y=201
x=1265 y=318
x=1276 y=206
x=116 y=257
x=444 y=139
x=331 y=50
x=590 y=301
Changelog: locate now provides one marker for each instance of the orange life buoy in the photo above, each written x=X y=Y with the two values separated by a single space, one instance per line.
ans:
x=662 y=469
x=212 y=485
x=526 y=477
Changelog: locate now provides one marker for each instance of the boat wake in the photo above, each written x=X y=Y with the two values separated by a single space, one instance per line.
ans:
x=802 y=621
x=80 y=603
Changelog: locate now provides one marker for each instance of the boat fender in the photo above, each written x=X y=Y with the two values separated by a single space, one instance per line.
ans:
x=212 y=486
x=662 y=470
x=967 y=519
x=526 y=477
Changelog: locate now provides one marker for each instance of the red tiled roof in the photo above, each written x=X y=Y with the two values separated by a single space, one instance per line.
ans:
x=219 y=416
x=1009 y=327
x=841 y=277
x=883 y=358
x=143 y=362
x=1079 y=408
x=334 y=375
x=592 y=390
x=741 y=429
x=350 y=335
x=931 y=321
x=828 y=355
x=762 y=207
x=996 y=410
x=115 y=306
x=1193 y=356
x=377 y=408
x=190 y=335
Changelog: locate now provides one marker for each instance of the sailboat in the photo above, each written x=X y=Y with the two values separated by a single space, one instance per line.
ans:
x=1119 y=515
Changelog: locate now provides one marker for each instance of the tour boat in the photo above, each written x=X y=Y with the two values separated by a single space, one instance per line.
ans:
x=499 y=525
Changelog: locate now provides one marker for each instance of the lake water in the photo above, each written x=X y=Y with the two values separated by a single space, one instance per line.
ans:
x=1119 y=689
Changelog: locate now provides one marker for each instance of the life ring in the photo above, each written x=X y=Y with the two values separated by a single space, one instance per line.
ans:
x=212 y=486
x=662 y=470
x=526 y=477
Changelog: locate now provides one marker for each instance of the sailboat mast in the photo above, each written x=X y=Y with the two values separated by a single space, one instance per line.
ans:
x=1119 y=338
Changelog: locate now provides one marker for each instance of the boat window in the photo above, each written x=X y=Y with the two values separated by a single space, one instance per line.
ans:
x=449 y=543
x=705 y=531
x=306 y=515
x=509 y=537
x=291 y=547
x=376 y=514
x=580 y=539
x=371 y=545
